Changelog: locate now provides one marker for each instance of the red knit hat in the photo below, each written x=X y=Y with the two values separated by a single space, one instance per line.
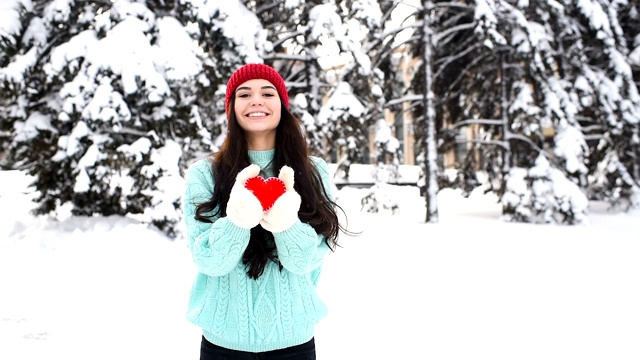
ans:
x=255 y=71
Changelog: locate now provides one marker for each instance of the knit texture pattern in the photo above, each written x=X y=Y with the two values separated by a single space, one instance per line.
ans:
x=281 y=308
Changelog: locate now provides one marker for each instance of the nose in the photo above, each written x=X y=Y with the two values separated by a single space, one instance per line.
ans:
x=256 y=100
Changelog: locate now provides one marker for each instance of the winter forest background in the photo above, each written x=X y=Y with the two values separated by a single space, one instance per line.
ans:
x=106 y=102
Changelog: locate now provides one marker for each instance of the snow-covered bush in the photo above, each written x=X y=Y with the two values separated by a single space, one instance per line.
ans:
x=379 y=199
x=543 y=194
x=612 y=182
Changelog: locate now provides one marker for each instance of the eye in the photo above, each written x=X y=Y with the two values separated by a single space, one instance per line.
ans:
x=242 y=95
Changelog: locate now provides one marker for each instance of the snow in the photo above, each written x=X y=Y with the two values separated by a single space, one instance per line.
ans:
x=30 y=128
x=240 y=25
x=342 y=102
x=324 y=17
x=468 y=287
x=177 y=49
x=15 y=70
x=597 y=17
x=9 y=20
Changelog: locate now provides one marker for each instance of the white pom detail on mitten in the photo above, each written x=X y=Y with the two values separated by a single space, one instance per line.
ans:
x=244 y=208
x=284 y=212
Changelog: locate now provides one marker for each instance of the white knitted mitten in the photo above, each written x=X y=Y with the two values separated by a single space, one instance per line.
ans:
x=284 y=211
x=244 y=208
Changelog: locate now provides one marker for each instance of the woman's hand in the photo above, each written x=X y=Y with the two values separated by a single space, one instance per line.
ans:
x=244 y=208
x=284 y=212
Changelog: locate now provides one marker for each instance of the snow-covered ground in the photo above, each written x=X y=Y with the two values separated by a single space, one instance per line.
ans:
x=467 y=287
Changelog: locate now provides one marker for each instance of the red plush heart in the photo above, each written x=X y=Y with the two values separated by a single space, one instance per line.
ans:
x=267 y=191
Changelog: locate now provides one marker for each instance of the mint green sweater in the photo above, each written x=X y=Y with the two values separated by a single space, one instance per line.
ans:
x=281 y=308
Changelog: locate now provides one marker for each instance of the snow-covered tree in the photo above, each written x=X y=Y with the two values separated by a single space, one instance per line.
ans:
x=378 y=78
x=106 y=102
x=524 y=96
x=542 y=117
x=229 y=35
x=610 y=98
x=398 y=28
x=11 y=28
x=364 y=21
x=473 y=77
x=113 y=97
x=342 y=118
x=585 y=99
x=296 y=31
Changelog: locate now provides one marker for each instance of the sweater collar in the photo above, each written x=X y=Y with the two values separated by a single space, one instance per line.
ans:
x=263 y=159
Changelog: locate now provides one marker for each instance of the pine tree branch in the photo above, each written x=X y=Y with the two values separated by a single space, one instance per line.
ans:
x=438 y=36
x=289 y=36
x=266 y=8
x=477 y=121
x=451 y=59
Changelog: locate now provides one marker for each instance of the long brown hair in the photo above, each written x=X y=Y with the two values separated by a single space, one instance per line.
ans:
x=317 y=209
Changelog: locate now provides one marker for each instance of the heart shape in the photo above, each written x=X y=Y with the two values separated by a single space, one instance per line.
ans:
x=266 y=190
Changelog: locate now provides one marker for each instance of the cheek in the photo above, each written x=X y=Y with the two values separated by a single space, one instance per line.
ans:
x=277 y=115
x=237 y=107
x=277 y=108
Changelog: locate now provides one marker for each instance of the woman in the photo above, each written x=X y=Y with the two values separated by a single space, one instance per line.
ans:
x=255 y=291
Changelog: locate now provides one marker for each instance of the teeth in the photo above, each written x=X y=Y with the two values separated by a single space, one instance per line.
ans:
x=257 y=114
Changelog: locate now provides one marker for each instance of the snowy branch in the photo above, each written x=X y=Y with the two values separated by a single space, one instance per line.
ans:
x=463 y=73
x=397 y=30
x=484 y=142
x=477 y=121
x=289 y=36
x=280 y=56
x=437 y=37
x=374 y=44
x=130 y=131
x=453 y=58
x=453 y=5
x=267 y=8
x=408 y=98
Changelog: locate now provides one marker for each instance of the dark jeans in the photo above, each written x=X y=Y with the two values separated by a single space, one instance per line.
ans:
x=306 y=351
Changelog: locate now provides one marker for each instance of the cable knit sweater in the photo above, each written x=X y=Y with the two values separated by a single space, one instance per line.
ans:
x=281 y=308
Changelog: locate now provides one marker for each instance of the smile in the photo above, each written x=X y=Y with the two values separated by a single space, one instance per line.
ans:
x=256 y=114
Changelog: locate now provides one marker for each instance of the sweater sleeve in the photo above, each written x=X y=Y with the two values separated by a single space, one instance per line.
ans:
x=216 y=247
x=300 y=248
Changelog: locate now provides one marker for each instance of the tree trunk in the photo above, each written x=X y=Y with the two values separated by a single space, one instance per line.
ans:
x=506 y=158
x=634 y=156
x=431 y=166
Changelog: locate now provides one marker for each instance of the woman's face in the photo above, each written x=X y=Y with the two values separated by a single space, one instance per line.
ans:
x=257 y=107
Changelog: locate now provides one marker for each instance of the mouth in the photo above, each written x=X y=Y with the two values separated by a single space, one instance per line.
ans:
x=256 y=114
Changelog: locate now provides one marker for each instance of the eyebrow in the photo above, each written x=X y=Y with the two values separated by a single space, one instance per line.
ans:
x=264 y=87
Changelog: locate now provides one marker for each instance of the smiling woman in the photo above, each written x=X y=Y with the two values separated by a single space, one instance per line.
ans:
x=258 y=267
